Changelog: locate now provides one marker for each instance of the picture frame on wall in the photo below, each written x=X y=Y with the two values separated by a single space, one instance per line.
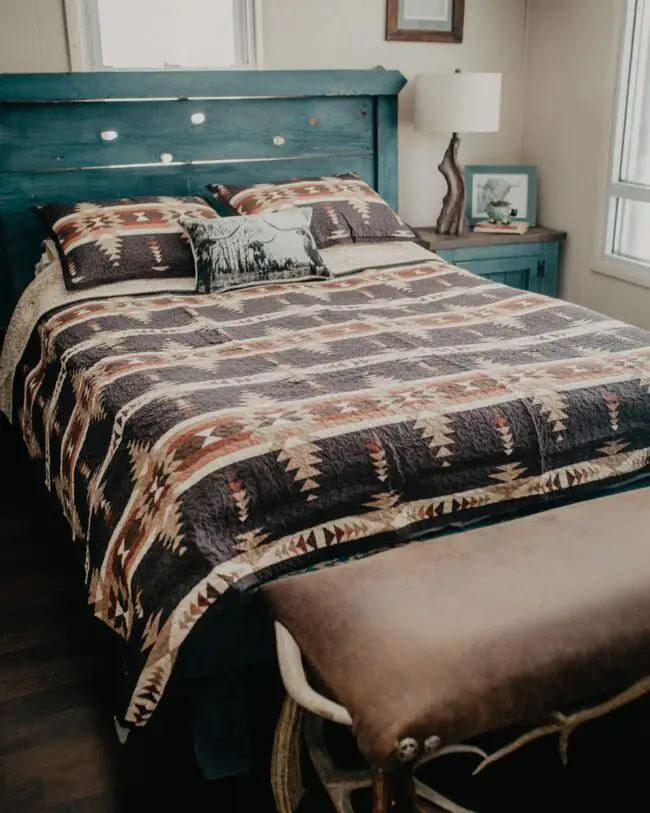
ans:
x=425 y=20
x=516 y=184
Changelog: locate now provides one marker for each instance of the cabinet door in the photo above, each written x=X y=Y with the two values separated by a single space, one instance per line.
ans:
x=526 y=273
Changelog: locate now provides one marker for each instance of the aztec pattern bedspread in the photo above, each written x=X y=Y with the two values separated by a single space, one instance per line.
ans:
x=202 y=445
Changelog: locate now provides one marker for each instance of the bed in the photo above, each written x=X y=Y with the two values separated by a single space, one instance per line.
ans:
x=203 y=445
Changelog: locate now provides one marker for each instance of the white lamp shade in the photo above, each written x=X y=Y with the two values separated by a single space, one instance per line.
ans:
x=458 y=102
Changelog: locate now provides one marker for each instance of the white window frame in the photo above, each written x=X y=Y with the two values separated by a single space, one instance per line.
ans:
x=84 y=45
x=605 y=261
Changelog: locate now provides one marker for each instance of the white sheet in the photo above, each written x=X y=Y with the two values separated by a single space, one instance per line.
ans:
x=348 y=259
x=48 y=257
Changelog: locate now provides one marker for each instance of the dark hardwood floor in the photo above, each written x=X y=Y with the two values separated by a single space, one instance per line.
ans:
x=58 y=749
x=59 y=752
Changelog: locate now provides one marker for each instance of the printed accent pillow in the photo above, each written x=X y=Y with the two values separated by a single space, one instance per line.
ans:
x=109 y=241
x=345 y=209
x=237 y=251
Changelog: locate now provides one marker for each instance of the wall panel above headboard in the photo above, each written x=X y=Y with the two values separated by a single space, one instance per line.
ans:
x=73 y=137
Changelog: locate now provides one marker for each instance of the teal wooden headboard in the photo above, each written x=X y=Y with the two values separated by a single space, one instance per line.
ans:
x=72 y=137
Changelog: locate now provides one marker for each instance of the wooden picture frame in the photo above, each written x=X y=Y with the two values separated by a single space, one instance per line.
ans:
x=443 y=30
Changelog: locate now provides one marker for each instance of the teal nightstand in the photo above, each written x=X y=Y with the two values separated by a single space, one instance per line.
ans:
x=528 y=261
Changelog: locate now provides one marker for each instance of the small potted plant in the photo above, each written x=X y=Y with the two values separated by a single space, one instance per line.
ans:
x=500 y=211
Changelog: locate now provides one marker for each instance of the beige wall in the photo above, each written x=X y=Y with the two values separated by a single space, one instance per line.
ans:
x=571 y=59
x=345 y=34
x=350 y=34
x=32 y=36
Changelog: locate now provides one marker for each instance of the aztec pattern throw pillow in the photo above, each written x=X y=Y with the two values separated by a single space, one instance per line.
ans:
x=109 y=241
x=238 y=251
x=345 y=209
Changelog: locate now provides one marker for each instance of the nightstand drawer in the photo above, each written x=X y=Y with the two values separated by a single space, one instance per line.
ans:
x=534 y=271
x=520 y=272
x=530 y=261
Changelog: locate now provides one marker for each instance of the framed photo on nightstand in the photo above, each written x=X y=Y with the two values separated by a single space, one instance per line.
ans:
x=516 y=185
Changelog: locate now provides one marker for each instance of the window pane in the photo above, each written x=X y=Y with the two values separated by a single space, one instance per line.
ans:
x=635 y=166
x=632 y=230
x=167 y=33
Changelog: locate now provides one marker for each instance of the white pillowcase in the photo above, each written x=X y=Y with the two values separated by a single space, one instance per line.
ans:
x=49 y=257
x=342 y=260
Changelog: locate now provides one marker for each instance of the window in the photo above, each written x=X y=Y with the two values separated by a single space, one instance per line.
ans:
x=628 y=216
x=161 y=34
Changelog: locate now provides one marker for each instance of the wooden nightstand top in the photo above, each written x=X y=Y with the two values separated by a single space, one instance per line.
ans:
x=436 y=241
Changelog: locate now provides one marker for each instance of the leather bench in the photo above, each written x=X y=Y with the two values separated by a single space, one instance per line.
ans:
x=436 y=642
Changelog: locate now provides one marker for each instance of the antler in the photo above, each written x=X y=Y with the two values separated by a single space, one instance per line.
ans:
x=566 y=725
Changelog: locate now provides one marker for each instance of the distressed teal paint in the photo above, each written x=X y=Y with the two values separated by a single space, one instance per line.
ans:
x=65 y=136
x=552 y=254
x=529 y=266
x=314 y=123
x=196 y=84
x=518 y=272
x=386 y=144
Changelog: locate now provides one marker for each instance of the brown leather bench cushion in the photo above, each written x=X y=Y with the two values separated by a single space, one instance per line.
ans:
x=469 y=633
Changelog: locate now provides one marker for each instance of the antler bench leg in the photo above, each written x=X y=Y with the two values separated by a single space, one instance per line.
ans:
x=397 y=792
x=302 y=720
x=340 y=784
x=383 y=793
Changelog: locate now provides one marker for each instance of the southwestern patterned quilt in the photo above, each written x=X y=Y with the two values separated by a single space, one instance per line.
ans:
x=203 y=445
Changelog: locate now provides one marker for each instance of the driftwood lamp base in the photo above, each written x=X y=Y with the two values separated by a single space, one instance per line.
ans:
x=452 y=219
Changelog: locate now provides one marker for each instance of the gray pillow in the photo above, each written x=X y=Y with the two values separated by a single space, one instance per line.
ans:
x=253 y=249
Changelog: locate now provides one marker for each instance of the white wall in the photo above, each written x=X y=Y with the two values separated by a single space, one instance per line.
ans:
x=350 y=34
x=32 y=36
x=341 y=34
x=571 y=58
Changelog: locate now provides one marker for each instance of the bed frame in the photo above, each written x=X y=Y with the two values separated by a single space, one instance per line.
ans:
x=74 y=137
x=84 y=136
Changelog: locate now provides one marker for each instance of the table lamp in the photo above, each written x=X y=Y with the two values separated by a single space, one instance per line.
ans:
x=457 y=103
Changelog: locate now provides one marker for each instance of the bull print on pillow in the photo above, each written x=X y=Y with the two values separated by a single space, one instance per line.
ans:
x=238 y=251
